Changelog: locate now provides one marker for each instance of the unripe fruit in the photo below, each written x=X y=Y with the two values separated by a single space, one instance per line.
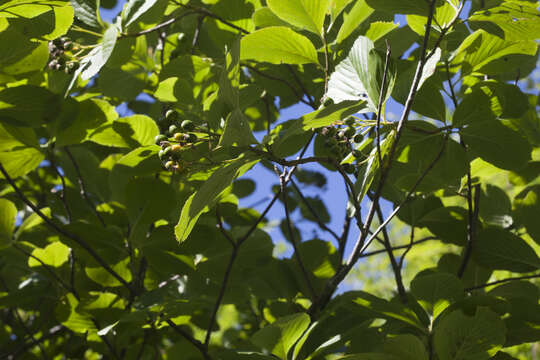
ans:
x=171 y=115
x=173 y=129
x=357 y=154
x=58 y=42
x=164 y=153
x=169 y=164
x=341 y=134
x=188 y=125
x=68 y=45
x=178 y=136
x=350 y=131
x=358 y=138
x=331 y=131
x=349 y=121
x=52 y=64
x=159 y=138
x=192 y=138
x=336 y=149
x=176 y=148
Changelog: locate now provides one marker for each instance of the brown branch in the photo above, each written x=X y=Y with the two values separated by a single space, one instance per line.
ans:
x=380 y=104
x=63 y=232
x=82 y=186
x=297 y=255
x=311 y=99
x=208 y=13
x=200 y=346
x=409 y=247
x=157 y=27
x=388 y=247
x=272 y=77
x=310 y=208
x=63 y=181
x=473 y=208
x=526 y=277
x=395 y=248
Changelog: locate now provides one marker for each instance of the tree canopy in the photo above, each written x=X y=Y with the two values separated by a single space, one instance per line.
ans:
x=126 y=154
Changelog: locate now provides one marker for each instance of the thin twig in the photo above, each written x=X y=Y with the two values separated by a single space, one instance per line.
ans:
x=63 y=232
x=395 y=248
x=222 y=228
x=283 y=81
x=221 y=294
x=395 y=267
x=158 y=27
x=473 y=208
x=311 y=99
x=197 y=33
x=310 y=208
x=200 y=346
x=82 y=186
x=380 y=104
x=30 y=334
x=409 y=247
x=297 y=254
x=326 y=62
x=208 y=13
x=526 y=277
x=63 y=192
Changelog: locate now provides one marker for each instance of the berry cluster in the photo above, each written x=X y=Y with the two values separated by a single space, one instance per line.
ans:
x=339 y=141
x=178 y=136
x=60 y=60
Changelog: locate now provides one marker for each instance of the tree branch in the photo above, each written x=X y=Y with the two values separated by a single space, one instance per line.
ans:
x=82 y=186
x=63 y=232
x=297 y=255
x=190 y=338
x=380 y=105
x=395 y=267
x=158 y=27
x=473 y=208
x=526 y=277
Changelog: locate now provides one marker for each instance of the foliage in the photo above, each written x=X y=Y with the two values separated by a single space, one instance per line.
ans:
x=123 y=229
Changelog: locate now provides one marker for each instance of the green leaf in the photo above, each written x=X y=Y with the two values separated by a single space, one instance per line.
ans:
x=527 y=207
x=55 y=255
x=282 y=334
x=126 y=83
x=46 y=26
x=278 y=45
x=209 y=194
x=378 y=29
x=359 y=75
x=511 y=20
x=353 y=19
x=437 y=291
x=264 y=17
x=481 y=48
x=370 y=356
x=497 y=144
x=28 y=8
x=506 y=100
x=237 y=130
x=381 y=308
x=229 y=81
x=129 y=132
x=475 y=107
x=102 y=277
x=134 y=9
x=20 y=162
x=499 y=249
x=20 y=55
x=68 y=314
x=406 y=347
x=87 y=12
x=27 y=105
x=460 y=337
x=7 y=222
x=304 y=14
x=316 y=119
x=400 y=6
x=94 y=61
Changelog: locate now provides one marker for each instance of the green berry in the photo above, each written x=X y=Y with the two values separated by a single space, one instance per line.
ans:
x=350 y=131
x=158 y=139
x=171 y=115
x=341 y=134
x=173 y=129
x=357 y=154
x=178 y=136
x=350 y=121
x=328 y=102
x=358 y=138
x=167 y=151
x=331 y=131
x=176 y=148
x=192 y=138
x=336 y=149
x=188 y=125
x=169 y=164
x=68 y=45
x=58 y=42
